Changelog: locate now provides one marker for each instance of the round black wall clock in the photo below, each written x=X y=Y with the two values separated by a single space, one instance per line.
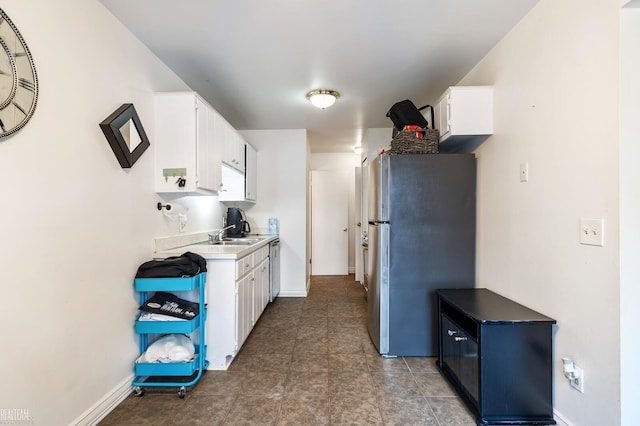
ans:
x=18 y=79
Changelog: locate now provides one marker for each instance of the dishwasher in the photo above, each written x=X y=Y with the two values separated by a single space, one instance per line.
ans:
x=274 y=269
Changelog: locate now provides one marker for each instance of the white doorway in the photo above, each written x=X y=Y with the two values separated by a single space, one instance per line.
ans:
x=329 y=222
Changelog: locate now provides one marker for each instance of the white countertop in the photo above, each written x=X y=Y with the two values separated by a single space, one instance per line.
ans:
x=198 y=243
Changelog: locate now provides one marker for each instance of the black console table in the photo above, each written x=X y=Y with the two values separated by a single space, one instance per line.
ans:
x=497 y=354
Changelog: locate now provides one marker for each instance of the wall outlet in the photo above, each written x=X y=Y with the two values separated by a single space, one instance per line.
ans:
x=578 y=382
x=592 y=232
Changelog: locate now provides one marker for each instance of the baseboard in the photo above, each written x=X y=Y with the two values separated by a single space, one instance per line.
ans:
x=352 y=269
x=560 y=420
x=103 y=407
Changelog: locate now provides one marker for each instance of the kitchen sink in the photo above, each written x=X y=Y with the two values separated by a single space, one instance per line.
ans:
x=242 y=240
x=228 y=242
x=232 y=243
x=225 y=243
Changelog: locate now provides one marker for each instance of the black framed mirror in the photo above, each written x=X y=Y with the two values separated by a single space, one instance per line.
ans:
x=125 y=135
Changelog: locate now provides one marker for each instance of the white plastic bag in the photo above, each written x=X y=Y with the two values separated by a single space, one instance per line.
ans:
x=170 y=348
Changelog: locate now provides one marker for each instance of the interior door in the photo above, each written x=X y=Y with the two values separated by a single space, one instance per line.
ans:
x=329 y=222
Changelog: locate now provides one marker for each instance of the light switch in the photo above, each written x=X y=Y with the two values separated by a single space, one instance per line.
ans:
x=524 y=172
x=592 y=232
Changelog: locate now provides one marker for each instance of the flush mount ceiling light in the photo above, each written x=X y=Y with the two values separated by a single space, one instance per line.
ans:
x=323 y=98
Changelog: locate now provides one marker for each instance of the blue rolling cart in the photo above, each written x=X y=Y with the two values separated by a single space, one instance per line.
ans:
x=179 y=374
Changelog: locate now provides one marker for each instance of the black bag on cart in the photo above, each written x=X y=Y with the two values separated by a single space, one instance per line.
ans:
x=186 y=265
x=405 y=113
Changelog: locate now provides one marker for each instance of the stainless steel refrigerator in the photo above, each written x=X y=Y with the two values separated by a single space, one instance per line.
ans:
x=422 y=236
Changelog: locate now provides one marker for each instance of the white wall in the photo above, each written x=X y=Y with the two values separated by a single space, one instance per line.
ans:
x=74 y=225
x=348 y=163
x=373 y=140
x=282 y=193
x=556 y=79
x=629 y=213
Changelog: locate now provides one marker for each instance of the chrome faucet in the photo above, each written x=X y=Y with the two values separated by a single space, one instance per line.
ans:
x=217 y=236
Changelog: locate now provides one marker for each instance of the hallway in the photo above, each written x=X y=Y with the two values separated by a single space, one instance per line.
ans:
x=308 y=361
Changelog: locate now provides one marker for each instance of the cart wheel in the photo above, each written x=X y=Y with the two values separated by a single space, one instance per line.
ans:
x=182 y=392
x=138 y=391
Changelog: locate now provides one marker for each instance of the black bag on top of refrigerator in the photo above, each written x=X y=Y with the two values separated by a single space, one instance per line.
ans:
x=405 y=113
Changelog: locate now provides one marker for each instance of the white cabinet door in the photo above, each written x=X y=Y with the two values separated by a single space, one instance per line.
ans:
x=264 y=284
x=244 y=310
x=251 y=174
x=233 y=155
x=214 y=153
x=208 y=150
x=187 y=156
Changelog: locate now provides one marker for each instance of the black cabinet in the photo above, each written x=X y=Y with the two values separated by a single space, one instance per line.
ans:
x=497 y=354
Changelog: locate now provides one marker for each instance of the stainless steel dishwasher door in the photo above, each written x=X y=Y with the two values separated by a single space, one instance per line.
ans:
x=274 y=269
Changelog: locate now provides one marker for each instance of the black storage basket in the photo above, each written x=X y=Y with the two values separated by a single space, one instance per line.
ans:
x=420 y=141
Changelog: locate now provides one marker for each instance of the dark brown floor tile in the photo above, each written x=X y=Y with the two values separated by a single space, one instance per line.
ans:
x=204 y=410
x=254 y=410
x=350 y=321
x=283 y=331
x=312 y=345
x=393 y=383
x=153 y=409
x=261 y=362
x=357 y=410
x=350 y=384
x=220 y=383
x=128 y=405
x=345 y=333
x=345 y=346
x=348 y=362
x=402 y=411
x=310 y=361
x=307 y=383
x=450 y=411
x=311 y=332
x=433 y=384
x=422 y=364
x=279 y=321
x=380 y=363
x=304 y=410
x=313 y=321
x=339 y=310
x=269 y=384
x=269 y=346
x=368 y=346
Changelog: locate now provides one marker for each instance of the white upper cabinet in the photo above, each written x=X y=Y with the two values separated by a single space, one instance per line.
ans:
x=187 y=151
x=233 y=154
x=251 y=175
x=464 y=117
x=237 y=186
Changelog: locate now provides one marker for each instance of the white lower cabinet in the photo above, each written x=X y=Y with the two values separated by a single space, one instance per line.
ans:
x=237 y=296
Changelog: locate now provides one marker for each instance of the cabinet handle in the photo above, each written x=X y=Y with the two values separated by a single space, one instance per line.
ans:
x=459 y=339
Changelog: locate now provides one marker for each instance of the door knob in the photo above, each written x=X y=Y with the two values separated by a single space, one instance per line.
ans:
x=345 y=229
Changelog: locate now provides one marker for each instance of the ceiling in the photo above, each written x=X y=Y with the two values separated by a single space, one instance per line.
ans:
x=255 y=60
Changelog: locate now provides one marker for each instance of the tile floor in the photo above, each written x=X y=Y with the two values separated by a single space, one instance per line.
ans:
x=308 y=361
